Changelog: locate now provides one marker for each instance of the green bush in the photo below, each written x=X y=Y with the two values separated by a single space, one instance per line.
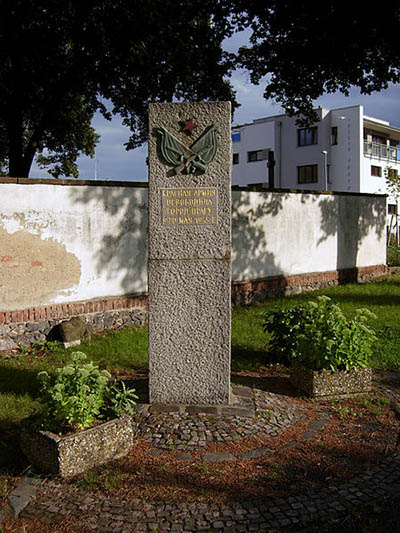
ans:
x=319 y=336
x=80 y=393
x=285 y=325
x=393 y=254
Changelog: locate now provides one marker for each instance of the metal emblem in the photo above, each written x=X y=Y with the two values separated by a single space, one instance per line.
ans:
x=188 y=159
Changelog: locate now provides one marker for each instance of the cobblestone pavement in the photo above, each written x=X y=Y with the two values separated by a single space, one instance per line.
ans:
x=192 y=426
x=253 y=413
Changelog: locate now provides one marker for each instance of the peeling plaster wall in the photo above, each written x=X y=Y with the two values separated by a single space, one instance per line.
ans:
x=67 y=241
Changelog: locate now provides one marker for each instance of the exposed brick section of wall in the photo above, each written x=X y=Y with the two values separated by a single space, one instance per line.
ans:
x=26 y=326
x=54 y=311
x=245 y=292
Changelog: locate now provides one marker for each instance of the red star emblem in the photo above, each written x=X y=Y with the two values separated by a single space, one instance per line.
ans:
x=189 y=126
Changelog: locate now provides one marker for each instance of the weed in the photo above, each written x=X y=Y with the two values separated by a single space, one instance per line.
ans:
x=208 y=470
x=373 y=404
x=25 y=350
x=382 y=401
x=3 y=486
x=112 y=480
x=266 y=413
x=91 y=478
x=344 y=412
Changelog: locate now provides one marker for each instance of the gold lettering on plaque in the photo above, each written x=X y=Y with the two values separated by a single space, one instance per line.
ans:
x=189 y=206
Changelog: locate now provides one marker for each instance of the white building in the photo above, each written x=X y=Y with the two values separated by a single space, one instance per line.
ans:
x=345 y=151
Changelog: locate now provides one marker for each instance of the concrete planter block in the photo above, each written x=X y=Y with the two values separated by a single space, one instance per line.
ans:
x=72 y=454
x=320 y=383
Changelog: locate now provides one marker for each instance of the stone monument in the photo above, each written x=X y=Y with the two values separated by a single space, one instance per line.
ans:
x=190 y=252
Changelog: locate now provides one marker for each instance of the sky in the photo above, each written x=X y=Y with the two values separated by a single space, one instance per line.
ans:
x=113 y=162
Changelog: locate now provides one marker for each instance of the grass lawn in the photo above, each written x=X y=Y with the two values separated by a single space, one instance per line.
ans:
x=125 y=350
x=382 y=297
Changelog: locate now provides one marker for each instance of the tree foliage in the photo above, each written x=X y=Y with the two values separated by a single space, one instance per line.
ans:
x=310 y=48
x=60 y=61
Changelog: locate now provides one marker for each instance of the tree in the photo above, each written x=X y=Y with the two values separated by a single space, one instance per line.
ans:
x=310 y=48
x=59 y=62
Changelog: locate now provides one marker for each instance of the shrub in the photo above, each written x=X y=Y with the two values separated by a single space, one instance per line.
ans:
x=393 y=254
x=285 y=326
x=78 y=394
x=321 y=337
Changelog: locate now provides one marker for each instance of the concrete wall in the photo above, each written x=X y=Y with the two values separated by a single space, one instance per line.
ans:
x=68 y=241
x=284 y=233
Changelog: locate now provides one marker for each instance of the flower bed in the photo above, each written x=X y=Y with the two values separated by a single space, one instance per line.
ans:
x=72 y=454
x=320 y=383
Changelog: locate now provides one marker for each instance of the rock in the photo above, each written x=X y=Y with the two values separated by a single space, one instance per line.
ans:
x=73 y=331
x=7 y=344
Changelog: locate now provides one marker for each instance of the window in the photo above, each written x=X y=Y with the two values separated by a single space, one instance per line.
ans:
x=307 y=136
x=328 y=170
x=236 y=137
x=307 y=174
x=378 y=139
x=235 y=159
x=392 y=209
x=257 y=155
x=392 y=173
x=334 y=135
x=376 y=171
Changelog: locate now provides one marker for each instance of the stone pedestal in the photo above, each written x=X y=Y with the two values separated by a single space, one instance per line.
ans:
x=190 y=253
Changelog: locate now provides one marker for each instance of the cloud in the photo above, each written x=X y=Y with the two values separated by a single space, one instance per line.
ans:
x=113 y=162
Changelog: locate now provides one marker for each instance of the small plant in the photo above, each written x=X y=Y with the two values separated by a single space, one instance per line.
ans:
x=3 y=486
x=121 y=400
x=393 y=254
x=285 y=325
x=321 y=337
x=80 y=393
x=344 y=412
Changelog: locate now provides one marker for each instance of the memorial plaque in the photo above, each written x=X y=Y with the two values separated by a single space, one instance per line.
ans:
x=189 y=206
x=190 y=252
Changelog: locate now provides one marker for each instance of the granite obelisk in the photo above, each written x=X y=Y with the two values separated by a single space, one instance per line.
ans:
x=189 y=268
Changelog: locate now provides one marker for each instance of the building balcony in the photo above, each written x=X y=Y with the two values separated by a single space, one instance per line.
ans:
x=381 y=151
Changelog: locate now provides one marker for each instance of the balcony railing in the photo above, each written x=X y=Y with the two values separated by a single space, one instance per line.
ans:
x=380 y=151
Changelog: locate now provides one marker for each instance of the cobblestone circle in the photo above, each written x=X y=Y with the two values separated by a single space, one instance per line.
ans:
x=111 y=515
x=253 y=413
x=267 y=413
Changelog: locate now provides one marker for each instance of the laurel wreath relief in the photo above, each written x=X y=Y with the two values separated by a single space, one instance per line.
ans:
x=188 y=159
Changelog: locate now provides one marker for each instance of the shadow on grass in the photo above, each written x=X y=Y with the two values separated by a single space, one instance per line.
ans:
x=367 y=300
x=275 y=384
x=12 y=460
x=141 y=386
x=18 y=380
x=245 y=359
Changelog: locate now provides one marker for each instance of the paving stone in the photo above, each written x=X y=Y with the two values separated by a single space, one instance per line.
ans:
x=255 y=453
x=208 y=409
x=291 y=444
x=246 y=392
x=215 y=457
x=20 y=497
x=161 y=408
x=184 y=456
x=237 y=411
x=308 y=435
x=317 y=425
